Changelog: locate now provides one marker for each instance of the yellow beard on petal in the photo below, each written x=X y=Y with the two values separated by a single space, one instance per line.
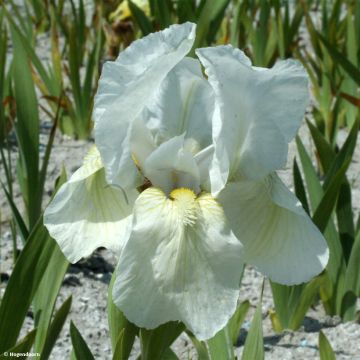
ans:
x=185 y=201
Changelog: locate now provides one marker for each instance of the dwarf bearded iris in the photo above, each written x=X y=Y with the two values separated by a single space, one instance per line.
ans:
x=182 y=182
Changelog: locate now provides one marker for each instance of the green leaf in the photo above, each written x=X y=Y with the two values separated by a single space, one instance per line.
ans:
x=52 y=86
x=125 y=342
x=200 y=347
x=345 y=219
x=45 y=297
x=155 y=342
x=344 y=155
x=81 y=350
x=122 y=332
x=336 y=264
x=27 y=128
x=237 y=319
x=339 y=58
x=55 y=328
x=141 y=19
x=285 y=300
x=211 y=11
x=24 y=232
x=300 y=191
x=352 y=283
x=324 y=149
x=185 y=11
x=306 y=299
x=25 y=279
x=254 y=343
x=23 y=346
x=162 y=10
x=221 y=345
x=325 y=349
x=169 y=355
x=235 y=24
x=314 y=188
x=324 y=210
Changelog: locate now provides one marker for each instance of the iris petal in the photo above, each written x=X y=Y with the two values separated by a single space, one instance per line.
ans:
x=87 y=213
x=181 y=262
x=126 y=86
x=278 y=236
x=258 y=112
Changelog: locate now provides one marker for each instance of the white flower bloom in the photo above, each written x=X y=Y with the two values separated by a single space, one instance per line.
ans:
x=190 y=192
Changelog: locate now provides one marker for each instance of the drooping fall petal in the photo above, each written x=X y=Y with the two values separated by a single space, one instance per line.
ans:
x=278 y=236
x=87 y=213
x=181 y=263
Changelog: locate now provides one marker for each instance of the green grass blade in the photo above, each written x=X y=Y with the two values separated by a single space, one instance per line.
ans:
x=81 y=350
x=55 y=328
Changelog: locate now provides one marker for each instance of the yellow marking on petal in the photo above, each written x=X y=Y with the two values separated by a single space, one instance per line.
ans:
x=93 y=158
x=135 y=160
x=192 y=146
x=185 y=201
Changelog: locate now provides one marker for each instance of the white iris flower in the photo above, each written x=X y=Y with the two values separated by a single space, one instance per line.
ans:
x=183 y=186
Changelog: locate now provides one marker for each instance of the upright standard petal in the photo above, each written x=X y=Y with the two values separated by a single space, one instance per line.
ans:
x=258 y=112
x=126 y=86
x=181 y=262
x=184 y=103
x=278 y=236
x=87 y=213
x=172 y=166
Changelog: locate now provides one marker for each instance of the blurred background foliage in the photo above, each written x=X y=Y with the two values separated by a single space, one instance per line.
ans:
x=323 y=34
